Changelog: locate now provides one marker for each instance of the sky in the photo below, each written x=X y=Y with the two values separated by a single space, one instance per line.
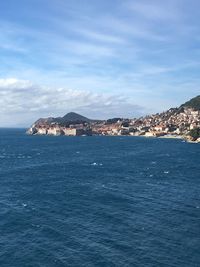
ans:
x=100 y=58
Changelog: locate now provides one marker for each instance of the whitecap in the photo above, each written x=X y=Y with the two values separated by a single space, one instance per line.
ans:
x=94 y=164
x=35 y=225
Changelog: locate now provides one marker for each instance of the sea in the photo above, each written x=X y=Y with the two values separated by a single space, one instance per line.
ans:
x=98 y=201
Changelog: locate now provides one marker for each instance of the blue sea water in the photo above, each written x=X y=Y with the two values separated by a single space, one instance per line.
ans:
x=98 y=201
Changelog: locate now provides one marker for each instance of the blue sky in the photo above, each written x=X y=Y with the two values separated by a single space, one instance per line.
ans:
x=101 y=58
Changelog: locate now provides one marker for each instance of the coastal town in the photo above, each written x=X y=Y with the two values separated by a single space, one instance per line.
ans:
x=182 y=122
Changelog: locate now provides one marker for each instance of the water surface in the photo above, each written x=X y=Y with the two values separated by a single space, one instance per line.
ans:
x=98 y=201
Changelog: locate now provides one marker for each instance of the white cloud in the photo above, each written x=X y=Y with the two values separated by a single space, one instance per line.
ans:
x=141 y=48
x=21 y=102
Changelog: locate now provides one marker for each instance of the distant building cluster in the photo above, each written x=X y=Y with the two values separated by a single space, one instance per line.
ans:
x=174 y=122
x=56 y=129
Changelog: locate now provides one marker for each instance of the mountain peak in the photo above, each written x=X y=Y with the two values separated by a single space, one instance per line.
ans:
x=73 y=116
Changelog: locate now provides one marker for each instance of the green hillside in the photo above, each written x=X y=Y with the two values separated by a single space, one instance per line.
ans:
x=193 y=103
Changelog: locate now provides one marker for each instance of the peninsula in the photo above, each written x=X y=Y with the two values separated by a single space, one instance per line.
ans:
x=181 y=122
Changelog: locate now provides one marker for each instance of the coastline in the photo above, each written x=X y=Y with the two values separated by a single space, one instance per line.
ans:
x=167 y=136
x=170 y=136
x=180 y=137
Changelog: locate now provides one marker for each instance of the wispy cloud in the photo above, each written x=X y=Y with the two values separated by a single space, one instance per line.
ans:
x=102 y=37
x=156 y=10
